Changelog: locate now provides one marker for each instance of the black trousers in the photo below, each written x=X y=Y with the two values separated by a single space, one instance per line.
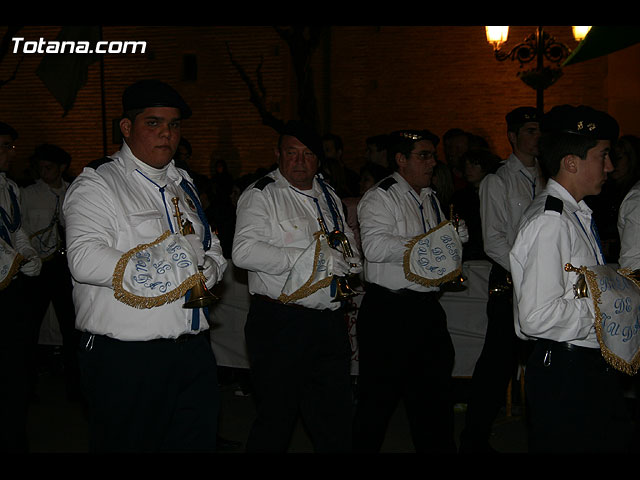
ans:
x=575 y=402
x=405 y=353
x=54 y=285
x=15 y=307
x=300 y=366
x=153 y=396
x=495 y=366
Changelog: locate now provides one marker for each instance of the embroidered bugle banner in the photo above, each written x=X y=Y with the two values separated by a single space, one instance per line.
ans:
x=311 y=273
x=10 y=262
x=434 y=257
x=156 y=273
x=616 y=300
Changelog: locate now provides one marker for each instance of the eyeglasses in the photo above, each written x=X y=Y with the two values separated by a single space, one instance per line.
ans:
x=425 y=155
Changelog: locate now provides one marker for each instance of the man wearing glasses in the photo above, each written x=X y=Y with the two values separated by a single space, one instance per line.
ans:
x=19 y=262
x=405 y=348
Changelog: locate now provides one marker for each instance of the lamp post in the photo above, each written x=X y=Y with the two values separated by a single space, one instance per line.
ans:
x=537 y=46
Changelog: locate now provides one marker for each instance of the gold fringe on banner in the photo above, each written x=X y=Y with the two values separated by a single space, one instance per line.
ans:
x=630 y=368
x=427 y=282
x=15 y=267
x=308 y=288
x=138 y=301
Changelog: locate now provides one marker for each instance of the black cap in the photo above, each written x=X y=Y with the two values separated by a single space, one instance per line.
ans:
x=6 y=129
x=521 y=115
x=415 y=136
x=581 y=120
x=306 y=134
x=153 y=93
x=51 y=153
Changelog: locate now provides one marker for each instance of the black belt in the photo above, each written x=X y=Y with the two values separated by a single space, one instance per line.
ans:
x=89 y=338
x=264 y=298
x=403 y=292
x=569 y=347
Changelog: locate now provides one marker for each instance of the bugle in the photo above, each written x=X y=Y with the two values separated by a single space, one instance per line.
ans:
x=335 y=238
x=458 y=284
x=200 y=295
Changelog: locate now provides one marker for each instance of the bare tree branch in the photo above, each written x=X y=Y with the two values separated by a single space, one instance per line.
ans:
x=257 y=95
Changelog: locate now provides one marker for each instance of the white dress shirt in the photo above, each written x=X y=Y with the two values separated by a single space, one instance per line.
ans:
x=504 y=196
x=110 y=210
x=18 y=237
x=389 y=218
x=40 y=202
x=544 y=299
x=275 y=224
x=629 y=229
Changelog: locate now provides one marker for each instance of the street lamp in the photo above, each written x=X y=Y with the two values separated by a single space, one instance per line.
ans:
x=538 y=46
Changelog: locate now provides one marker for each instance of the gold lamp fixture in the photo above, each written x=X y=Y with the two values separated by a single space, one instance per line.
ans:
x=538 y=46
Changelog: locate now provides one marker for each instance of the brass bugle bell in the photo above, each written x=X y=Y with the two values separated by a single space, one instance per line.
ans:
x=343 y=289
x=200 y=296
x=580 y=289
x=459 y=284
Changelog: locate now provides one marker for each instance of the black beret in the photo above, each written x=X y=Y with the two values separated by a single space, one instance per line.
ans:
x=581 y=120
x=415 y=136
x=6 y=129
x=51 y=153
x=306 y=134
x=521 y=115
x=153 y=93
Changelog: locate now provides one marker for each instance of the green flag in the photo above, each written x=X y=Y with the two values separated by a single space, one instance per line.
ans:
x=64 y=74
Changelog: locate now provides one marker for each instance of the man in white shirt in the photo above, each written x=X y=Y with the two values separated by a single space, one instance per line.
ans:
x=42 y=207
x=405 y=350
x=19 y=268
x=296 y=333
x=138 y=245
x=574 y=400
x=504 y=196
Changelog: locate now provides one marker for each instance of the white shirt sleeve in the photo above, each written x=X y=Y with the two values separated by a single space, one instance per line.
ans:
x=378 y=224
x=91 y=231
x=629 y=230
x=253 y=248
x=495 y=221
x=543 y=290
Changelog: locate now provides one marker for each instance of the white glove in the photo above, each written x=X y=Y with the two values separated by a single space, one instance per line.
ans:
x=463 y=231
x=355 y=266
x=336 y=263
x=210 y=271
x=198 y=249
x=32 y=267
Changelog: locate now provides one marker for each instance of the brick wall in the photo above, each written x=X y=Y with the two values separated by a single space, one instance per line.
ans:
x=368 y=79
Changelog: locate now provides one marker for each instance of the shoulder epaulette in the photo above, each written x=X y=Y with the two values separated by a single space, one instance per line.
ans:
x=553 y=204
x=263 y=182
x=100 y=161
x=387 y=182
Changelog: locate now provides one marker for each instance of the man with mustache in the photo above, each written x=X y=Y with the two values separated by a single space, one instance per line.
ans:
x=148 y=371
x=296 y=333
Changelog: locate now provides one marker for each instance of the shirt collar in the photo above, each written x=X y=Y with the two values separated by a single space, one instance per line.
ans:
x=408 y=188
x=557 y=190
x=129 y=160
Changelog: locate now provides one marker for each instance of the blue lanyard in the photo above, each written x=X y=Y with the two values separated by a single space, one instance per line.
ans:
x=594 y=231
x=337 y=218
x=532 y=183
x=434 y=204
x=164 y=200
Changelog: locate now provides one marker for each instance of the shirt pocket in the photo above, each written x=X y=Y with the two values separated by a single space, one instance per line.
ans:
x=146 y=225
x=296 y=232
